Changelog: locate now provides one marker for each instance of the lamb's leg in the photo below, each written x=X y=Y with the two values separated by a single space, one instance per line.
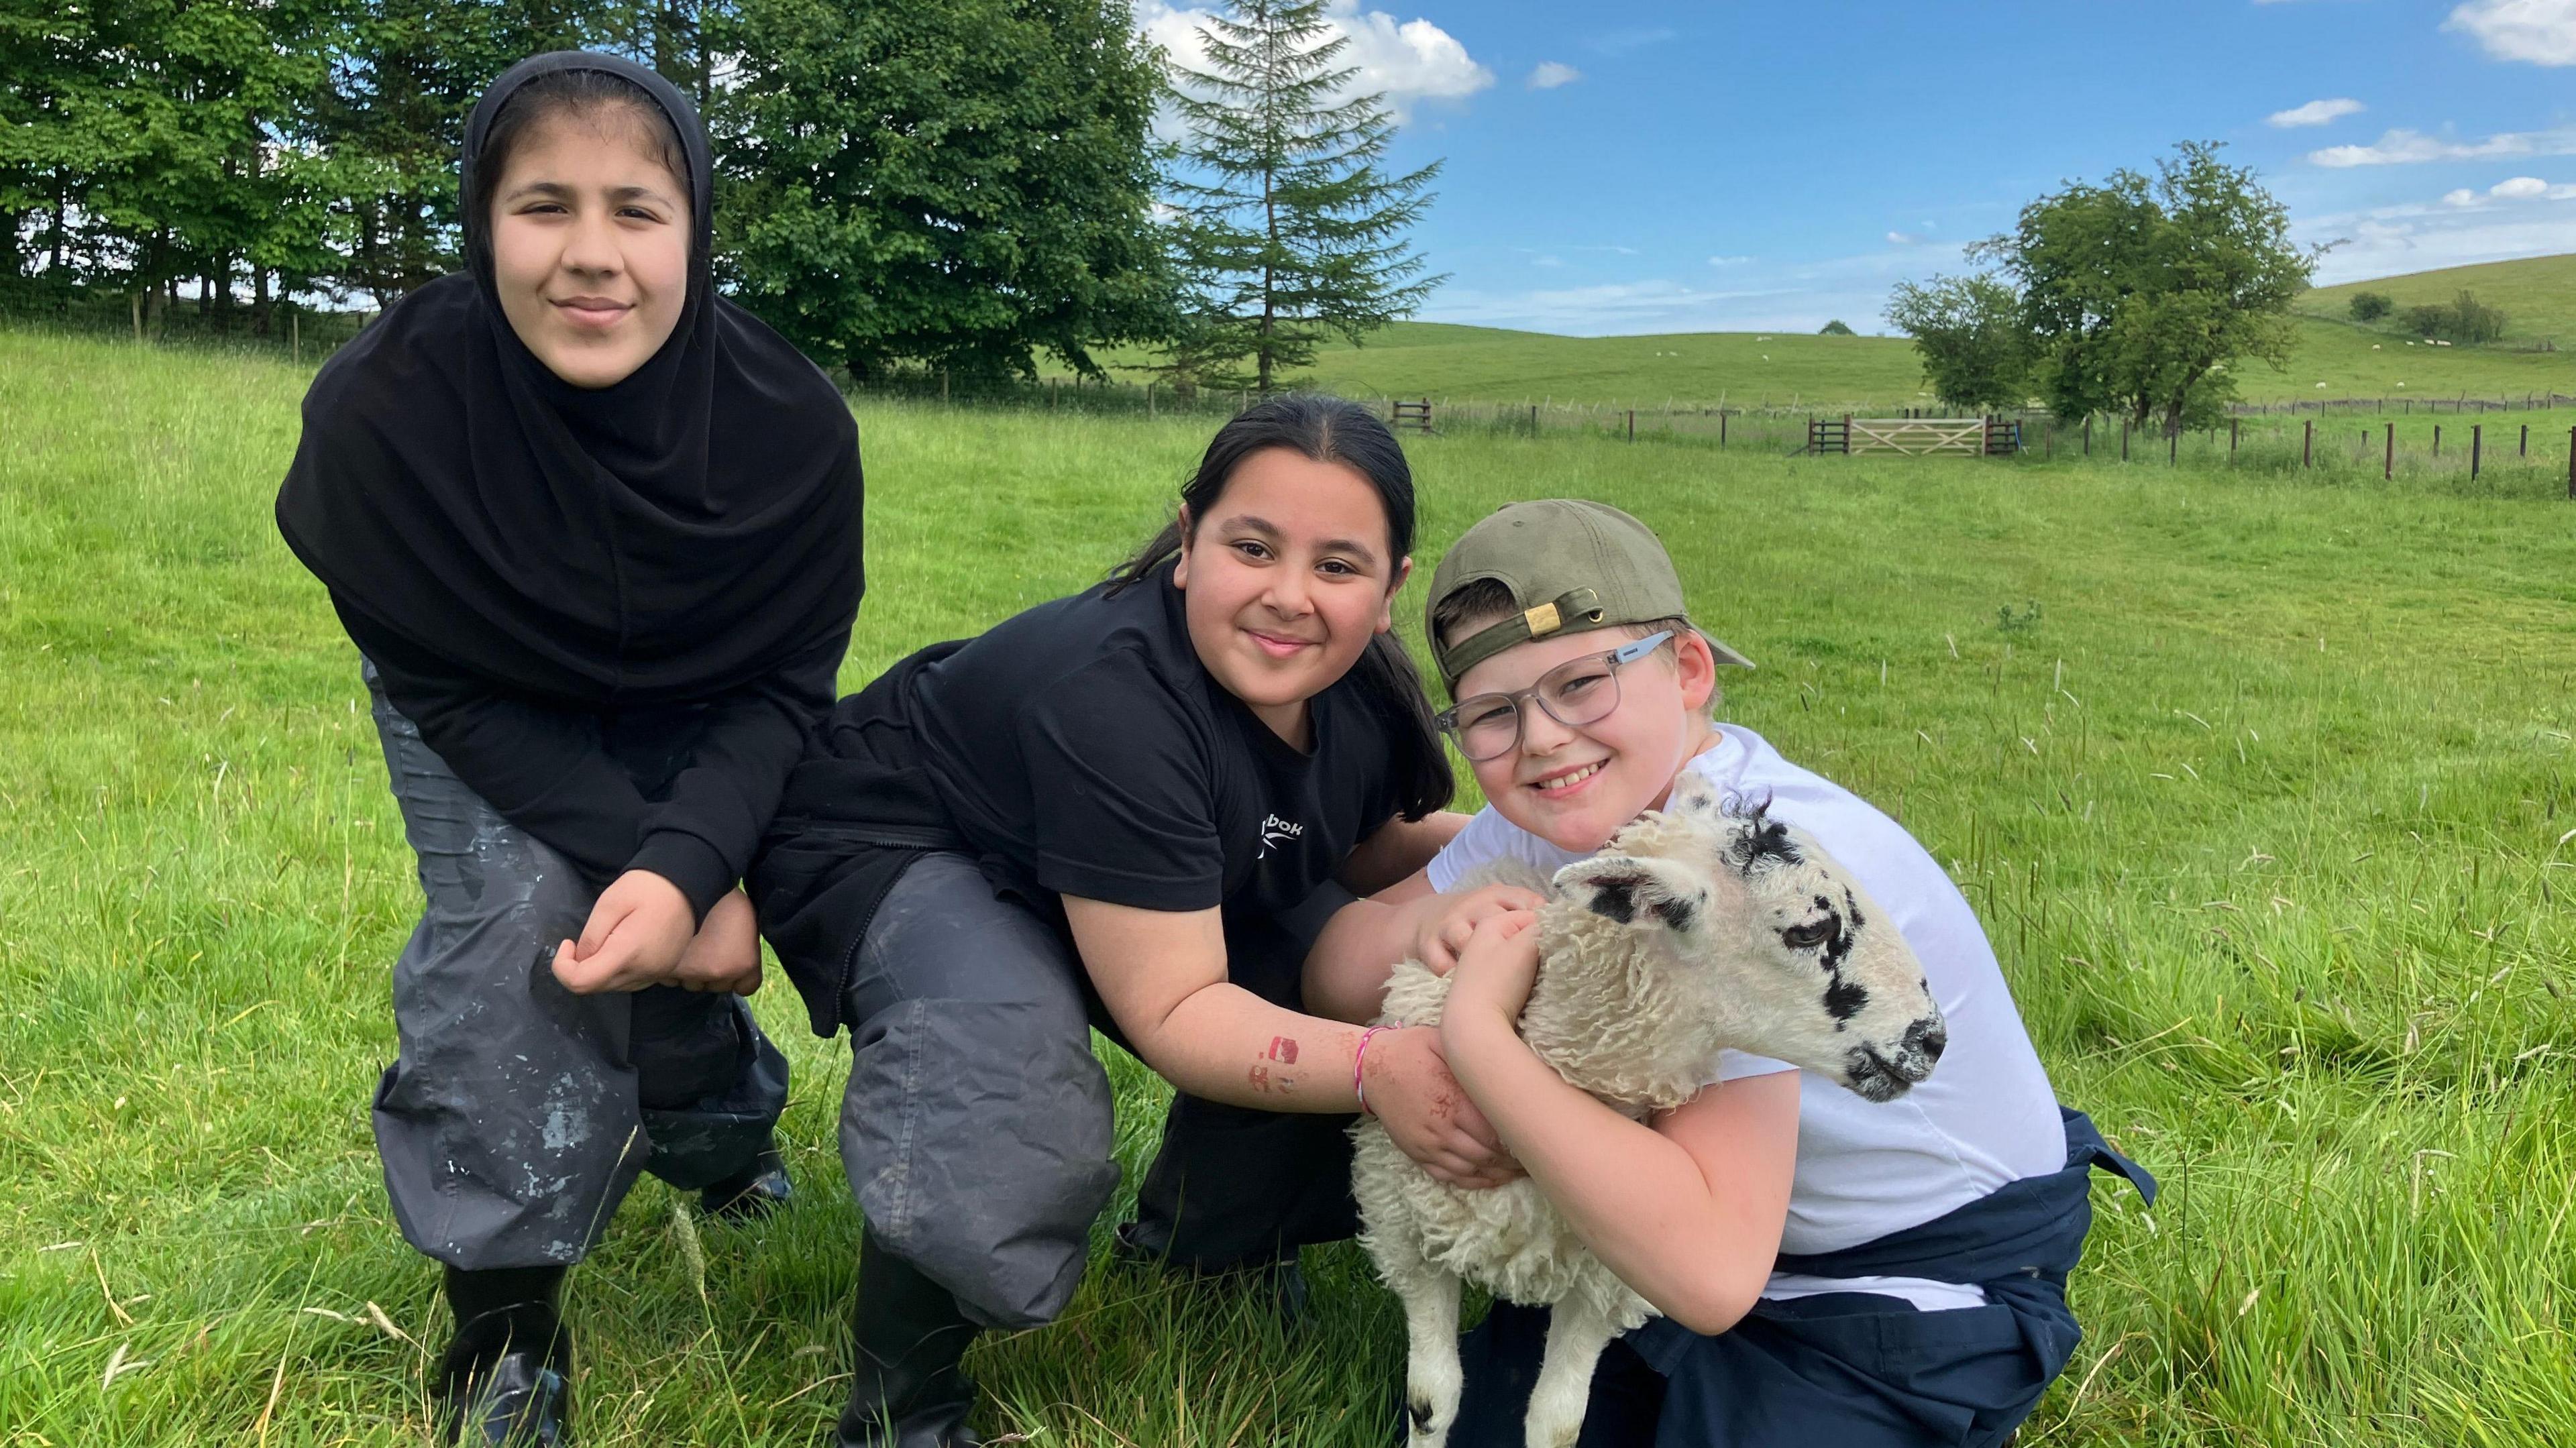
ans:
x=1433 y=1377
x=1578 y=1329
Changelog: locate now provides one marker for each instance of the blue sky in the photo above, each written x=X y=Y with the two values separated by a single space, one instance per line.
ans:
x=1625 y=168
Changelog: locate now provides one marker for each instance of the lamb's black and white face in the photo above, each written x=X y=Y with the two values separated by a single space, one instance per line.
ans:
x=1753 y=909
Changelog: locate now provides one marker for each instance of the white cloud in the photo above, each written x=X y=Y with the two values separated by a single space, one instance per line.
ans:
x=1904 y=238
x=1551 y=74
x=1728 y=260
x=1611 y=308
x=2542 y=32
x=2462 y=228
x=1408 y=62
x=1764 y=297
x=2402 y=147
x=2315 y=113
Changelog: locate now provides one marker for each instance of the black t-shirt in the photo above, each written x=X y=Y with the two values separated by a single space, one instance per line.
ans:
x=1079 y=748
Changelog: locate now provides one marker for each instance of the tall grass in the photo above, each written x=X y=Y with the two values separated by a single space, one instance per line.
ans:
x=2262 y=786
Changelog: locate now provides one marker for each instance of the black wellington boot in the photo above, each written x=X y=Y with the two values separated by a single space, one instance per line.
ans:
x=506 y=1378
x=907 y=1337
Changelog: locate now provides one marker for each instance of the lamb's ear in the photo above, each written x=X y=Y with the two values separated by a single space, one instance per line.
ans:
x=1634 y=890
x=1758 y=842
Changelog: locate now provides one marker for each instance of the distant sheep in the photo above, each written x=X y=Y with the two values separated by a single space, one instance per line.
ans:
x=1699 y=929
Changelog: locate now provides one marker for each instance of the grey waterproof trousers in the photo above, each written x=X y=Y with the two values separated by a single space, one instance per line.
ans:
x=977 y=1125
x=518 y=1114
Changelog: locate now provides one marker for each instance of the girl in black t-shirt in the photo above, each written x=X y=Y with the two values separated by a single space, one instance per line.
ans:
x=1146 y=807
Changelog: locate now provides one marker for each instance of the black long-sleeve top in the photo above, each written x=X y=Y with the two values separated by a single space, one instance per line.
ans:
x=681 y=790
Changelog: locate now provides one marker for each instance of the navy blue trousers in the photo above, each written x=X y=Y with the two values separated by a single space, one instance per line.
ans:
x=1844 y=1369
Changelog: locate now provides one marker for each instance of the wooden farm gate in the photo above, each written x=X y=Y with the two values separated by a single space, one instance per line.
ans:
x=1914 y=436
x=1415 y=415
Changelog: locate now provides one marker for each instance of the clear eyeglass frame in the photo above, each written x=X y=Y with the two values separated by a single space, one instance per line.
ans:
x=1488 y=726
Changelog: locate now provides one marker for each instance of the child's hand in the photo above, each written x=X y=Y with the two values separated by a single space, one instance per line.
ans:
x=1446 y=921
x=1427 y=1113
x=725 y=955
x=1496 y=969
x=637 y=931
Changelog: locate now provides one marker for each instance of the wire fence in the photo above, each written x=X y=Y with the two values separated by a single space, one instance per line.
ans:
x=2386 y=448
x=2405 y=405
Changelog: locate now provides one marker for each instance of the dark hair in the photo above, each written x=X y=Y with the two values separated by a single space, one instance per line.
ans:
x=1479 y=600
x=571 y=93
x=1328 y=430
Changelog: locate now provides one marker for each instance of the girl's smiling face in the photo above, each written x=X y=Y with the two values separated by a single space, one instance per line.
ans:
x=590 y=244
x=1286 y=580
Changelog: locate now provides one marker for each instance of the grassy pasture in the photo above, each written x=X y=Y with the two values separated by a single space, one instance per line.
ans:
x=2261 y=781
x=2538 y=294
x=1829 y=373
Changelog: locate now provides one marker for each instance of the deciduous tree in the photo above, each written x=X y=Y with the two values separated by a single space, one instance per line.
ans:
x=2143 y=293
x=1968 y=331
x=951 y=183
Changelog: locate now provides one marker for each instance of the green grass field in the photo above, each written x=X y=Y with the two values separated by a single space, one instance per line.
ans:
x=2261 y=782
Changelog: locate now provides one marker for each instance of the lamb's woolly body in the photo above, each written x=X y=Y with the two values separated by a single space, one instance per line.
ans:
x=1586 y=1019
x=1640 y=1035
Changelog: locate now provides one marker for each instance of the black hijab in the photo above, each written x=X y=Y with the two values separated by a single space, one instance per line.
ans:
x=671 y=536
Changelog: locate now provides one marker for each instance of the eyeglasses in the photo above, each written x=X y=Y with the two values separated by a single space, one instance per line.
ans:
x=1574 y=693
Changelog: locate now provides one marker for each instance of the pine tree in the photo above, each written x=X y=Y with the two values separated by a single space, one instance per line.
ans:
x=1289 y=230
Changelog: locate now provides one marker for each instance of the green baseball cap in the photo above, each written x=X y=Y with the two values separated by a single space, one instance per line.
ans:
x=1571 y=565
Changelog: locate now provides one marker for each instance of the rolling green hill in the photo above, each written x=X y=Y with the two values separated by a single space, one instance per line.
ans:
x=1493 y=364
x=2538 y=295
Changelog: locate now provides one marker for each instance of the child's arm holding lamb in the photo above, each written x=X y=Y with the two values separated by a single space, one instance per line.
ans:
x=1346 y=969
x=1688 y=1211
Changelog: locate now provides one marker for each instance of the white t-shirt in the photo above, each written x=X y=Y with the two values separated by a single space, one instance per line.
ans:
x=1985 y=1117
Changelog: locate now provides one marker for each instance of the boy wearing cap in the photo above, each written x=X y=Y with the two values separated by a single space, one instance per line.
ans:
x=1831 y=1271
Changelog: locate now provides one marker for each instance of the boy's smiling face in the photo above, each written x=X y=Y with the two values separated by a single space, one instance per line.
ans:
x=1575 y=787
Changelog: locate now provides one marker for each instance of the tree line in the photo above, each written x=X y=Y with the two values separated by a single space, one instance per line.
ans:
x=955 y=185
x=2138 y=296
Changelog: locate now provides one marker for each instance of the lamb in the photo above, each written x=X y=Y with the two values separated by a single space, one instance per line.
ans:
x=1700 y=928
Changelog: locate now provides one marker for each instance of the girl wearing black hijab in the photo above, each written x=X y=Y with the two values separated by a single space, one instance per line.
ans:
x=595 y=531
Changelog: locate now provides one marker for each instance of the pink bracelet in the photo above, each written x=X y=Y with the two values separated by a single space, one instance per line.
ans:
x=1359 y=1088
